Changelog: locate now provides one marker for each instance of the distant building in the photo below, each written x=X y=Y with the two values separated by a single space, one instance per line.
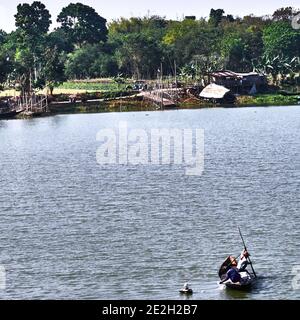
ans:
x=243 y=83
x=190 y=18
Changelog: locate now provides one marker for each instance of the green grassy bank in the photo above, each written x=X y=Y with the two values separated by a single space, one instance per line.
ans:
x=267 y=100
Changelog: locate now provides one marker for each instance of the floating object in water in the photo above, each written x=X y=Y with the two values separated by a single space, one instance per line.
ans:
x=186 y=289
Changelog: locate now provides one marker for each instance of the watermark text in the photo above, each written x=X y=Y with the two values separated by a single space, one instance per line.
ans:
x=163 y=146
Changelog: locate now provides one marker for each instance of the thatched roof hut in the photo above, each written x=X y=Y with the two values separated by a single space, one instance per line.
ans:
x=214 y=91
x=217 y=93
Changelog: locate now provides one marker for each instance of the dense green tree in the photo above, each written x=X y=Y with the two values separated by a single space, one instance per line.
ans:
x=83 y=47
x=153 y=26
x=33 y=21
x=3 y=59
x=53 y=68
x=91 y=61
x=280 y=39
x=138 y=42
x=241 y=45
x=25 y=70
x=192 y=38
x=3 y=35
x=5 y=67
x=216 y=16
x=139 y=56
x=177 y=30
x=58 y=39
x=82 y=24
x=251 y=20
x=281 y=48
x=284 y=14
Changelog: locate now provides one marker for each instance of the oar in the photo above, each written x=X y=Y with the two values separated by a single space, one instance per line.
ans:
x=248 y=258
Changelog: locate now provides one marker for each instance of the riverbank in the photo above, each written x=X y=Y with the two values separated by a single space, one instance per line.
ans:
x=110 y=89
x=112 y=96
x=136 y=104
x=267 y=100
x=108 y=96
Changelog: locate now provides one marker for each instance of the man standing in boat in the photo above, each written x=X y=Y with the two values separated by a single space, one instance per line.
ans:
x=243 y=262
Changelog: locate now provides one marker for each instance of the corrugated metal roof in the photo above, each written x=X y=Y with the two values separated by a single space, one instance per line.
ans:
x=231 y=74
x=248 y=74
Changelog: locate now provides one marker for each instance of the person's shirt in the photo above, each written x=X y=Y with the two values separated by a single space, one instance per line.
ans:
x=242 y=261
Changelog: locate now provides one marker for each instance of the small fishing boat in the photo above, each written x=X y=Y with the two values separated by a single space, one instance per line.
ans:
x=8 y=114
x=244 y=279
x=247 y=279
x=8 y=110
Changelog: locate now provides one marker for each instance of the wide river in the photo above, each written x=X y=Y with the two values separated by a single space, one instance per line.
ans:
x=72 y=228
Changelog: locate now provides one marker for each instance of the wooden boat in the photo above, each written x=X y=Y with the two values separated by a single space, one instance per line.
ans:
x=9 y=114
x=8 y=110
x=247 y=279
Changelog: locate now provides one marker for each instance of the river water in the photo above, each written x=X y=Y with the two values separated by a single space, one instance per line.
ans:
x=74 y=229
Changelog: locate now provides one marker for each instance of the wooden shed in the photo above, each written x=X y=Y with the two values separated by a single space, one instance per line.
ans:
x=240 y=82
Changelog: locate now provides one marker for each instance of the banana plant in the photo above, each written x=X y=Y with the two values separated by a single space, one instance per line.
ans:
x=278 y=67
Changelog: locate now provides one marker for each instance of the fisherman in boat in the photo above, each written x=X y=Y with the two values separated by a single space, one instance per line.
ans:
x=243 y=262
x=233 y=273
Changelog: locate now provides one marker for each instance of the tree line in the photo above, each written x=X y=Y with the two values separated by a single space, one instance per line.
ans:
x=85 y=46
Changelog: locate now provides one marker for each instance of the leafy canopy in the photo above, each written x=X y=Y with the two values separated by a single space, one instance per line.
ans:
x=82 y=24
x=32 y=20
